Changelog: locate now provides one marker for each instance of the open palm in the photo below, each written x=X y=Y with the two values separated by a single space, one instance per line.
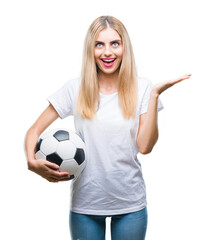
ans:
x=161 y=87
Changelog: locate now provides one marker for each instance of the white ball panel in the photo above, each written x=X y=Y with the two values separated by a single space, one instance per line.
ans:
x=49 y=145
x=49 y=133
x=70 y=166
x=77 y=140
x=66 y=150
x=40 y=155
x=81 y=167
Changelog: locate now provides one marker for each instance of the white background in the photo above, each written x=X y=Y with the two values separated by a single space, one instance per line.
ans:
x=41 y=48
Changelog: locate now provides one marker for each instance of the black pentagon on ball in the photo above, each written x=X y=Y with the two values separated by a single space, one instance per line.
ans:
x=71 y=177
x=54 y=158
x=61 y=135
x=79 y=156
x=37 y=148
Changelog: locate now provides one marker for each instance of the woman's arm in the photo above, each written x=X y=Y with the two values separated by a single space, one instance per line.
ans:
x=148 y=128
x=42 y=167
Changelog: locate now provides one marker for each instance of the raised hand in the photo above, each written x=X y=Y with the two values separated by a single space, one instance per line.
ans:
x=161 y=87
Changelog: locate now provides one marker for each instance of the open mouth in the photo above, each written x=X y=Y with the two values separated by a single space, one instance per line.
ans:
x=108 y=62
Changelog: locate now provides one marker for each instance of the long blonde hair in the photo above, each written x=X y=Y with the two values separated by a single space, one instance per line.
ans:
x=88 y=97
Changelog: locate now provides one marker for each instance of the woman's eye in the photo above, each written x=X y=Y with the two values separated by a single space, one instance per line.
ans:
x=99 y=45
x=115 y=44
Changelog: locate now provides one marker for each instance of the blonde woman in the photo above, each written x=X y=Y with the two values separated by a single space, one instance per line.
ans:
x=115 y=113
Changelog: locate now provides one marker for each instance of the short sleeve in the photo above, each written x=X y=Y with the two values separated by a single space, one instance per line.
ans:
x=145 y=91
x=64 y=98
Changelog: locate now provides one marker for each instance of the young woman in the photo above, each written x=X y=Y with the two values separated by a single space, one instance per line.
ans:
x=115 y=113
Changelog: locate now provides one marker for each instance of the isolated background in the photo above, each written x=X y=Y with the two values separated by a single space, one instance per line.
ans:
x=41 y=47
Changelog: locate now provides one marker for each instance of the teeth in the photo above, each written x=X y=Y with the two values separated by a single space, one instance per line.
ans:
x=111 y=60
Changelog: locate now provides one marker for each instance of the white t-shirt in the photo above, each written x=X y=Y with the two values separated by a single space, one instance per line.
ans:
x=112 y=181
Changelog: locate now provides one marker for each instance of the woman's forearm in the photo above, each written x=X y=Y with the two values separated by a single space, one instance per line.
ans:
x=148 y=131
x=30 y=142
x=45 y=119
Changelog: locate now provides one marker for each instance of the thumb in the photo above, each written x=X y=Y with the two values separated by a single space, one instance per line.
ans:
x=52 y=165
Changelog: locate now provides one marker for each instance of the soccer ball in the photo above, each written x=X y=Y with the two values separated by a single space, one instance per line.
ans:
x=64 y=148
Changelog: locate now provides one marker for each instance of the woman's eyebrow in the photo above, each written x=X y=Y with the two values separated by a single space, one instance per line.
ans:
x=117 y=40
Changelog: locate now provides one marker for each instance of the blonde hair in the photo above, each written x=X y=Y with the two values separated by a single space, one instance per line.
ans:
x=88 y=97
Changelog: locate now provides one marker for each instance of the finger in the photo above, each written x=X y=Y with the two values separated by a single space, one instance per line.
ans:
x=186 y=76
x=58 y=178
x=57 y=174
x=64 y=179
x=53 y=180
x=64 y=174
x=50 y=179
x=52 y=165
x=174 y=81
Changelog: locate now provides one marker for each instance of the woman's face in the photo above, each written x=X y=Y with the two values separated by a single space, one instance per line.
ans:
x=108 y=51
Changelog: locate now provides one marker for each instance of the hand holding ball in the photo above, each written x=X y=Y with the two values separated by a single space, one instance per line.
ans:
x=64 y=148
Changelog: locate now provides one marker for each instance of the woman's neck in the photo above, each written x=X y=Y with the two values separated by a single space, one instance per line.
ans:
x=108 y=81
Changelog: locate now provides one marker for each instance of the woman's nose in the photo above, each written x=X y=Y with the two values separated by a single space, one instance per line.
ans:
x=107 y=51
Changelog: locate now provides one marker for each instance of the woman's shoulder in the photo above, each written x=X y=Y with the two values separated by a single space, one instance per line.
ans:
x=73 y=81
x=72 y=85
x=143 y=82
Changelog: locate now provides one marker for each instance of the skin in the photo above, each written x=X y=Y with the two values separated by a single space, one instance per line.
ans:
x=107 y=47
x=148 y=129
